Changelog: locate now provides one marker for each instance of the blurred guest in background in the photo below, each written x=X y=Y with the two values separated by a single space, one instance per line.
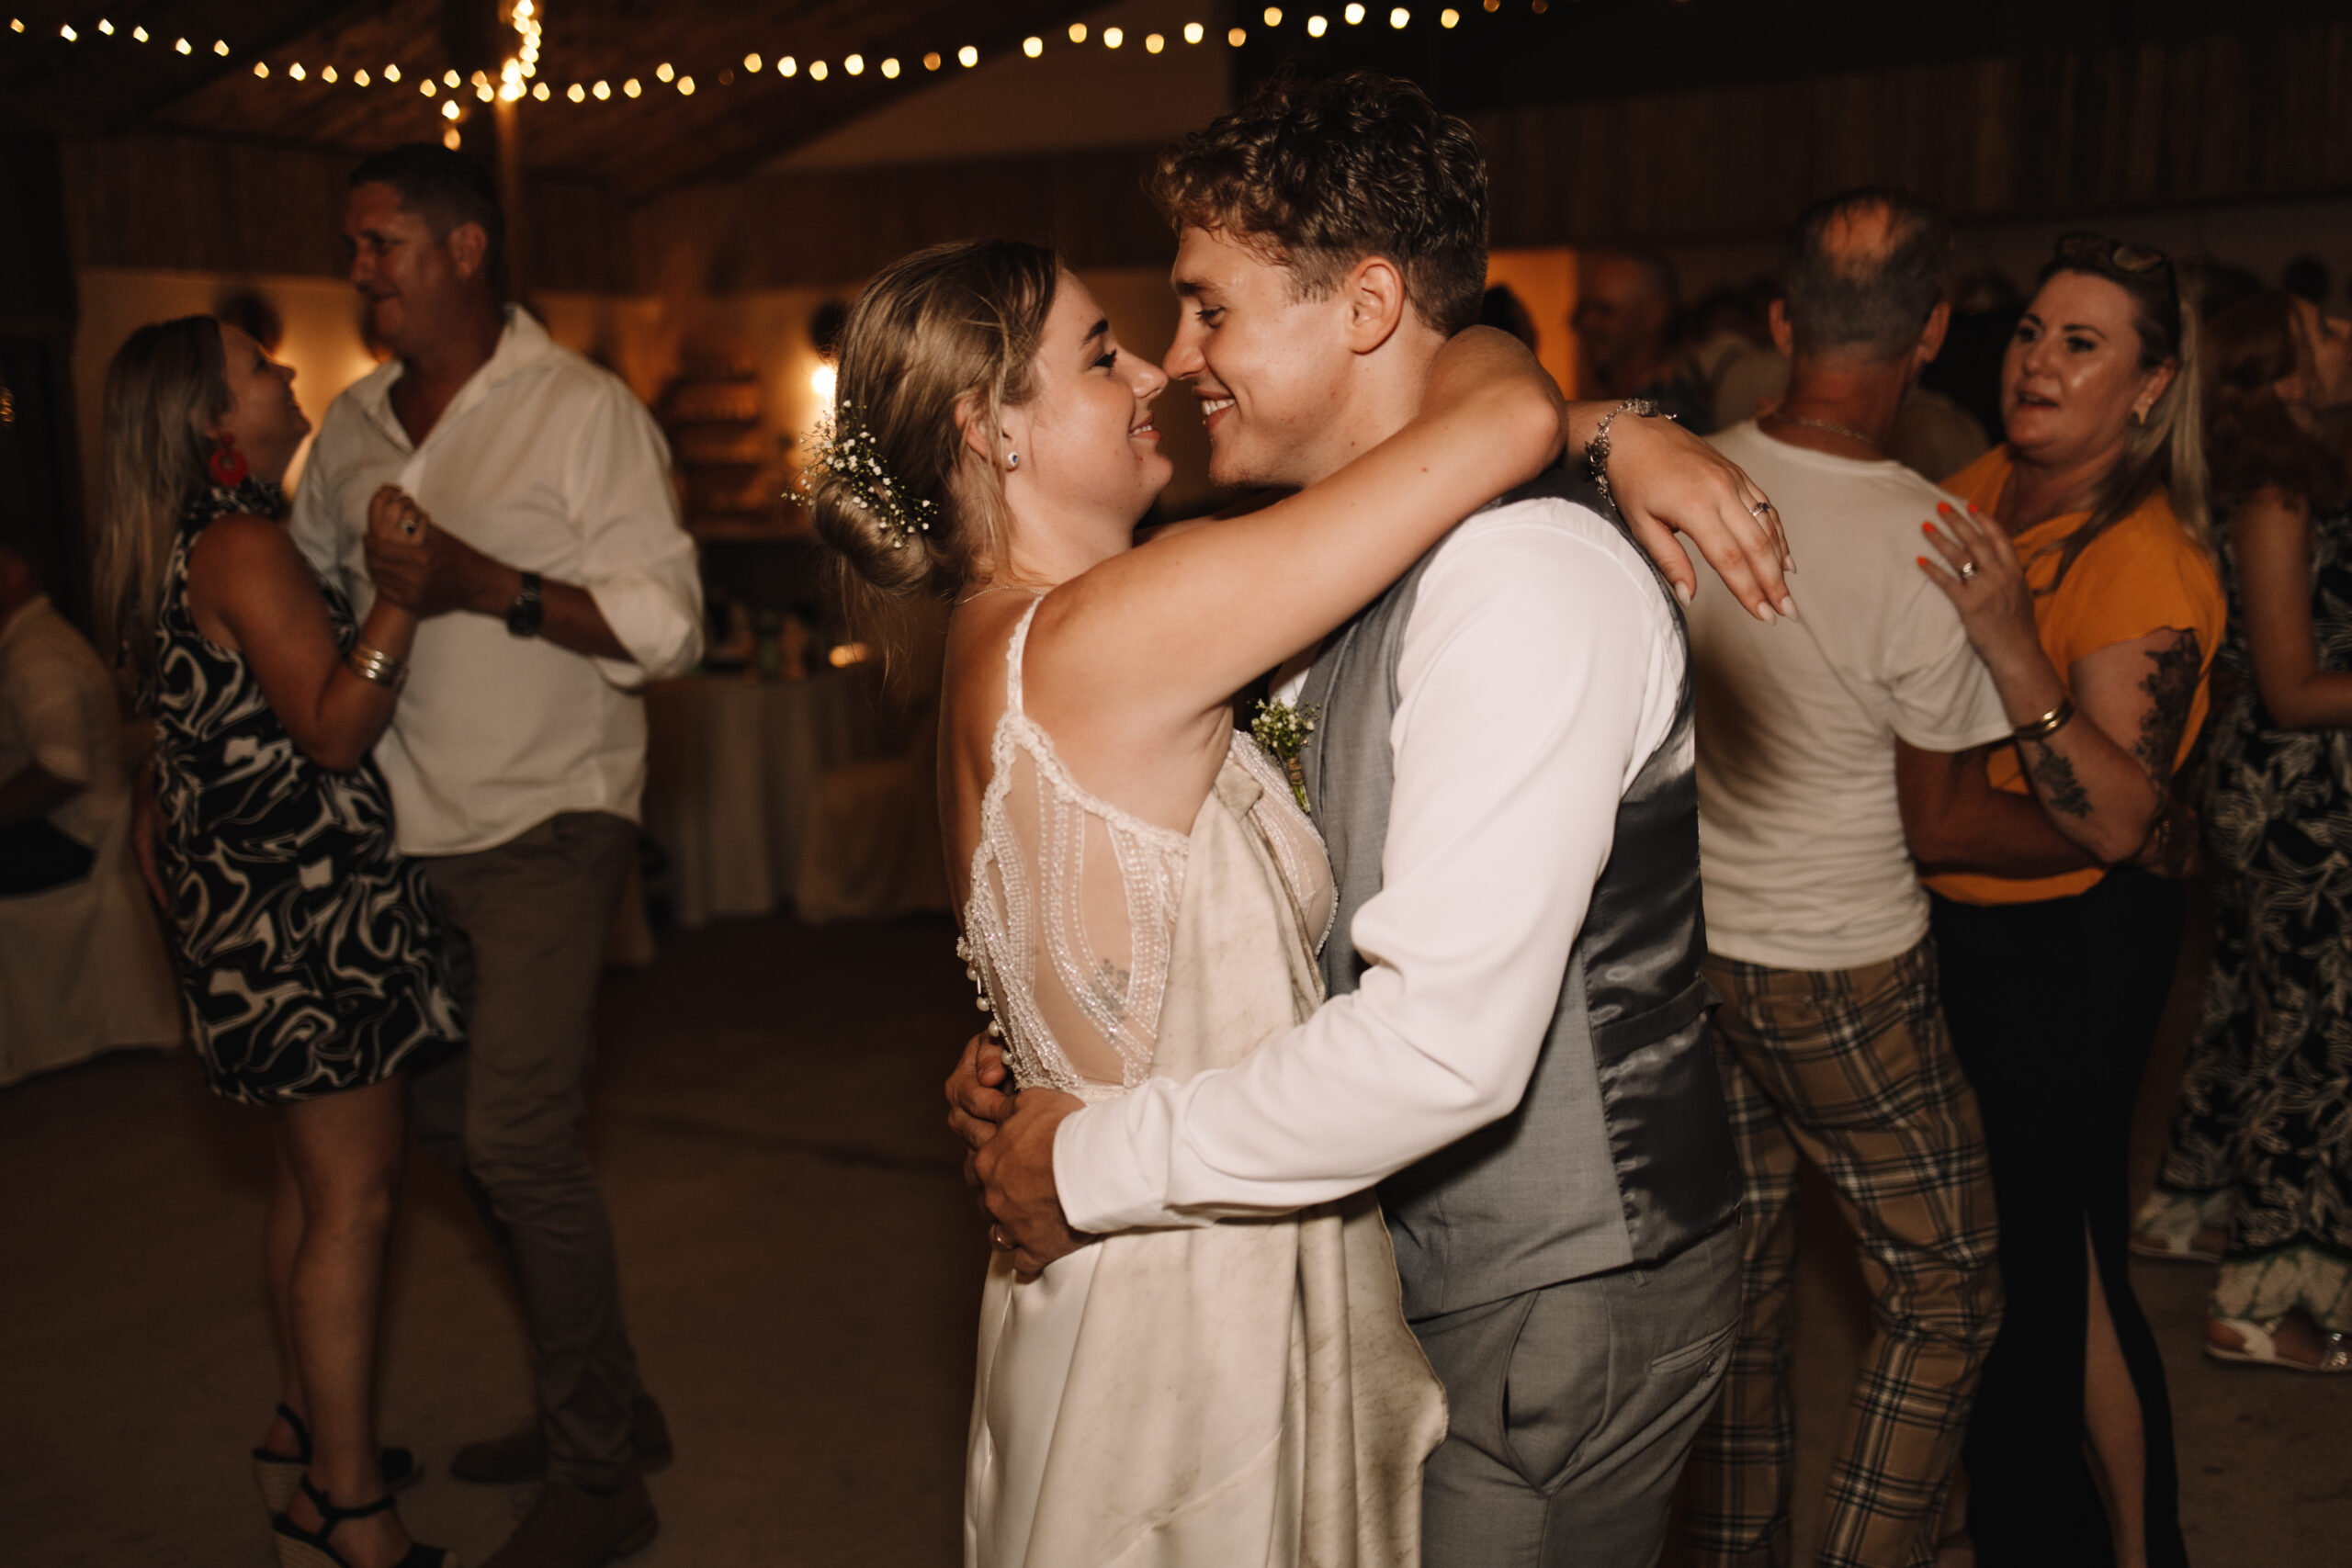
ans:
x=2080 y=572
x=1835 y=1050
x=1502 y=309
x=314 y=972
x=517 y=762
x=1627 y=303
x=60 y=739
x=1984 y=309
x=2307 y=278
x=2259 y=1172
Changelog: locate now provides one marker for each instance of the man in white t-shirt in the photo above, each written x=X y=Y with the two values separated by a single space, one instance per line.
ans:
x=1835 y=1050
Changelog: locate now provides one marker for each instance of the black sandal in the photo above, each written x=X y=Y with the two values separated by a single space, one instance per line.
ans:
x=298 y=1548
x=278 y=1475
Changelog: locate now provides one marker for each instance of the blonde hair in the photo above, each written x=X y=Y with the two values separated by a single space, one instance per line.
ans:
x=954 y=328
x=2166 y=451
x=164 y=387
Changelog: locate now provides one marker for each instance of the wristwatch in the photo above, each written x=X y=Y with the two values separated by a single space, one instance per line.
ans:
x=524 y=616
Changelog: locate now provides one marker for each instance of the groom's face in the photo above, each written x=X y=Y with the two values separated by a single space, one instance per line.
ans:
x=1269 y=369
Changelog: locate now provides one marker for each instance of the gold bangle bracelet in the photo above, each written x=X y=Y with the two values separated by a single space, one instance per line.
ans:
x=2048 y=725
x=374 y=665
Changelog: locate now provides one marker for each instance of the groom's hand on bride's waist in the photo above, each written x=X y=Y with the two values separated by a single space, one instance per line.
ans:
x=1015 y=1172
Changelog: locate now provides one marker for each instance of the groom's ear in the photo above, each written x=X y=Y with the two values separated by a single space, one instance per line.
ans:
x=1374 y=293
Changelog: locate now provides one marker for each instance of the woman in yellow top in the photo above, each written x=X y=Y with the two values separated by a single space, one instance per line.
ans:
x=2081 y=571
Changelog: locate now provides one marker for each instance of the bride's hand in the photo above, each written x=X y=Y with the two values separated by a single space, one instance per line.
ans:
x=1667 y=482
x=1017 y=1175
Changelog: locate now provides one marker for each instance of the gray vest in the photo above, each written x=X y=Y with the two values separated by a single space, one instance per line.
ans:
x=1619 y=1152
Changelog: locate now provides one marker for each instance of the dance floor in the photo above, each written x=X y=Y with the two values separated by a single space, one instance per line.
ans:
x=801 y=1265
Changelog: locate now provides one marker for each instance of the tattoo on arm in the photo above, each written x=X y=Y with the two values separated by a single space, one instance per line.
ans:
x=2053 y=777
x=2170 y=686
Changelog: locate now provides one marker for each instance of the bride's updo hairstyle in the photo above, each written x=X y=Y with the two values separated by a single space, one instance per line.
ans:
x=955 y=326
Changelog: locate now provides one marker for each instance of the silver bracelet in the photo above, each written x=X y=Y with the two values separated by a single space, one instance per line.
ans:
x=1595 y=451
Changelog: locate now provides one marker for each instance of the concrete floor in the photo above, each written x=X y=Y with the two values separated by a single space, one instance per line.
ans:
x=801 y=1265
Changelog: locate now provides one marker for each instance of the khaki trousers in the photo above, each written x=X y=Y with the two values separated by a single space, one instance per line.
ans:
x=509 y=1114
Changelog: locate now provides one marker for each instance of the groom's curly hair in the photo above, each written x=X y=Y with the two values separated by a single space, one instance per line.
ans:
x=1316 y=176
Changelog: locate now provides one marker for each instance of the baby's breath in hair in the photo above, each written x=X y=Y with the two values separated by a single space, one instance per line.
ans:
x=843 y=449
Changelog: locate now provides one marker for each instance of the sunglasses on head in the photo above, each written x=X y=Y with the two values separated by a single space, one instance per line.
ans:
x=2112 y=255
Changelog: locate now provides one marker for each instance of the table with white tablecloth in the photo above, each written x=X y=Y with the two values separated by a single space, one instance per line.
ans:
x=732 y=766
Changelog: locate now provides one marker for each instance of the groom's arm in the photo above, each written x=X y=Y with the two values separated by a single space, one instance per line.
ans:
x=1531 y=672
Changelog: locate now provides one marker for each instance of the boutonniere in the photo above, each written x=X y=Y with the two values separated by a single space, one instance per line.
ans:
x=1282 y=731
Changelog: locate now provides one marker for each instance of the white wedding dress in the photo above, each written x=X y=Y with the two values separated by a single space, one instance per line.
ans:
x=1226 y=1396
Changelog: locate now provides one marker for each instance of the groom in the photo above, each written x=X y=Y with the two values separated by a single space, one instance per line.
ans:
x=1517 y=1045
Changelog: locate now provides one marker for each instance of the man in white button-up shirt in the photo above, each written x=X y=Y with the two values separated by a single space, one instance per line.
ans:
x=558 y=581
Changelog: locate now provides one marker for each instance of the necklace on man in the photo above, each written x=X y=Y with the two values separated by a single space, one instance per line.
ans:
x=1848 y=430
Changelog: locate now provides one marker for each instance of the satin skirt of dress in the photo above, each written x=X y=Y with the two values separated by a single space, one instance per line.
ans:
x=1242 y=1394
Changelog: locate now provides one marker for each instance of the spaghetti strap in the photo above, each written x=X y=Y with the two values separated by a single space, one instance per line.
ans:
x=1012 y=653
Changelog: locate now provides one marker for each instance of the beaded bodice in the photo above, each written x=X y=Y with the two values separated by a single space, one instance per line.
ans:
x=1073 y=904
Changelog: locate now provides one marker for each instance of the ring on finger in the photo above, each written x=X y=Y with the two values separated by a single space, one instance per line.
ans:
x=1968 y=569
x=1761 y=508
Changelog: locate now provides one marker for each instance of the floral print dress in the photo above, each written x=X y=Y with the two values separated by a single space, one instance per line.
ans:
x=2265 y=1128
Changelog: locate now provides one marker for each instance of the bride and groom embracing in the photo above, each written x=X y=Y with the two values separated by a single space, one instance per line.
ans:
x=1200 y=1342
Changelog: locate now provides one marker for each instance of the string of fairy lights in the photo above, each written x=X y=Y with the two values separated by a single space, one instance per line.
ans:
x=518 y=76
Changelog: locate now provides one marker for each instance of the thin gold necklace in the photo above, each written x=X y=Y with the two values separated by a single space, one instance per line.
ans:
x=1848 y=430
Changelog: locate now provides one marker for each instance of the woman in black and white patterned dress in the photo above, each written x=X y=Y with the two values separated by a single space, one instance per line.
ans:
x=307 y=947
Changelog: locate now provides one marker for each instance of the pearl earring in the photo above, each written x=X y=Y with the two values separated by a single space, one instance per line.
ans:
x=1012 y=459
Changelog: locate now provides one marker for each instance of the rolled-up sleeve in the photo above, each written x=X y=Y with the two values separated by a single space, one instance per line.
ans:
x=638 y=561
x=1533 y=674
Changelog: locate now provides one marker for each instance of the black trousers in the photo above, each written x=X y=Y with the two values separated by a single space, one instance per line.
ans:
x=2053 y=1007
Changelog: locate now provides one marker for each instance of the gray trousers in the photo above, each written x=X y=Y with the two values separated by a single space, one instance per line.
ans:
x=509 y=1114
x=1572 y=1409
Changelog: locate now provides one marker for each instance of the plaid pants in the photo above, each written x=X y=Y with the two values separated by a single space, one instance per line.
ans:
x=1853 y=1071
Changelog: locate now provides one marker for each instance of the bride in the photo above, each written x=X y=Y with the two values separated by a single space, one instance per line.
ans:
x=1141 y=894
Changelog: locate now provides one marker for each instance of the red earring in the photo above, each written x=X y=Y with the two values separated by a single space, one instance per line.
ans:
x=227 y=465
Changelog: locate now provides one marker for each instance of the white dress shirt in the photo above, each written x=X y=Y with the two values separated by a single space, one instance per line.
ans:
x=1540 y=669
x=550 y=465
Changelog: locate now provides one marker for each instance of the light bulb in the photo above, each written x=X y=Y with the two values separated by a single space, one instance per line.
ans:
x=483 y=92
x=449 y=109
x=1399 y=17
x=854 y=65
x=1449 y=17
x=448 y=78
x=451 y=140
x=1194 y=32
x=686 y=86
x=603 y=90
x=295 y=71
x=787 y=66
x=391 y=72
x=539 y=93
x=930 y=61
x=220 y=45
x=1317 y=27
x=967 y=57
x=890 y=68
x=104 y=26
x=1273 y=16
x=359 y=77
x=752 y=63
x=1237 y=37
x=821 y=381
x=578 y=94
x=1033 y=47
x=260 y=68
x=426 y=88
x=1114 y=36
x=816 y=70
x=326 y=73
x=665 y=72
x=1078 y=32
x=631 y=87
x=181 y=45
x=1354 y=14
x=1153 y=43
